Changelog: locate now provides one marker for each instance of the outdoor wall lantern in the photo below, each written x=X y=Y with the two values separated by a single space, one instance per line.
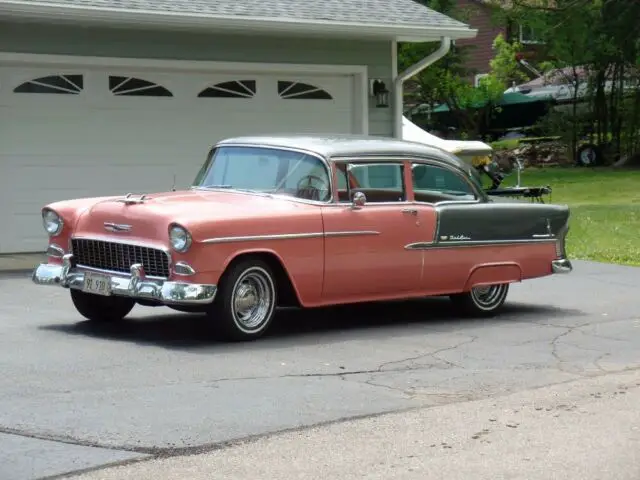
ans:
x=380 y=92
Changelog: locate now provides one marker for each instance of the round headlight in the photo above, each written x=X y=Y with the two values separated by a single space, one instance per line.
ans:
x=52 y=222
x=180 y=238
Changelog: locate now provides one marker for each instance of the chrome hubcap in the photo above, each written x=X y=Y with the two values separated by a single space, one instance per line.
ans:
x=252 y=299
x=587 y=156
x=488 y=296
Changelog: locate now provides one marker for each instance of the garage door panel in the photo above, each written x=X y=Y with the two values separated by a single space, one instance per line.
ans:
x=95 y=142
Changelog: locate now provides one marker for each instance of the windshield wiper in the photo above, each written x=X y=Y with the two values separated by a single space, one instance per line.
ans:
x=231 y=187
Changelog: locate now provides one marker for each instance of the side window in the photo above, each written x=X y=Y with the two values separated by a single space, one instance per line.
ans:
x=434 y=184
x=380 y=182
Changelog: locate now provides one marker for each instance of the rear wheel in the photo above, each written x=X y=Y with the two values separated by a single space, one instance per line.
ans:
x=245 y=304
x=99 y=308
x=482 y=300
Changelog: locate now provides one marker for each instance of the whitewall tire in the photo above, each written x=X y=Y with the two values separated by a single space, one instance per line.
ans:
x=246 y=301
x=482 y=300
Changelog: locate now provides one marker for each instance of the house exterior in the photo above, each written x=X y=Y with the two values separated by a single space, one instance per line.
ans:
x=105 y=97
x=480 y=16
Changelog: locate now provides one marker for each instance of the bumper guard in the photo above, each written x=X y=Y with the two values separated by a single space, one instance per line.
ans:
x=136 y=285
x=562 y=265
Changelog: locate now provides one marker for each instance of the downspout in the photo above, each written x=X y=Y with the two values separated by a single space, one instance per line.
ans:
x=398 y=83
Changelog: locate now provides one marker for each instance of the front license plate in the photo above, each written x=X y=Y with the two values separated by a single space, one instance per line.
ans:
x=97 y=284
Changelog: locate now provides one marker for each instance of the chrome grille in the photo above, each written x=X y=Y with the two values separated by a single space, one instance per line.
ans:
x=118 y=257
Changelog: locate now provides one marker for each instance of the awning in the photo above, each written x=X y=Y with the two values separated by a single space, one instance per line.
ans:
x=466 y=148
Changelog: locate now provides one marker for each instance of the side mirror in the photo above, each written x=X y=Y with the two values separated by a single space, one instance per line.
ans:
x=359 y=199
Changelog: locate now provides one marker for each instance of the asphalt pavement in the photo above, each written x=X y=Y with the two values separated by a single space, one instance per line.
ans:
x=585 y=429
x=77 y=396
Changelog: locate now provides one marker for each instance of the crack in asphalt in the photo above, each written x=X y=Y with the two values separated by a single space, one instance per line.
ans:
x=166 y=452
x=383 y=368
x=557 y=341
x=597 y=361
x=434 y=354
x=554 y=343
x=343 y=375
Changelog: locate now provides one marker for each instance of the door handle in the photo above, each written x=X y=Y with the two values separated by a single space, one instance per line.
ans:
x=410 y=211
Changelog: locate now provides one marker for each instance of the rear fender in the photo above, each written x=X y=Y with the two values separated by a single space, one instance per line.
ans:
x=493 y=273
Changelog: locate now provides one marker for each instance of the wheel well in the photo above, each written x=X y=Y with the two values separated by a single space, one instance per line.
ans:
x=287 y=296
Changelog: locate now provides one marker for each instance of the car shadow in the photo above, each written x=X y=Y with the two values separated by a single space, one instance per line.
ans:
x=309 y=326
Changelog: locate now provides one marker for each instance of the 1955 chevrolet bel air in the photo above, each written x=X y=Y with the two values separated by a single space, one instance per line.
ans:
x=307 y=221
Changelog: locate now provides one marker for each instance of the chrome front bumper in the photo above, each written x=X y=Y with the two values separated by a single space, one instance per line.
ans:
x=562 y=265
x=136 y=285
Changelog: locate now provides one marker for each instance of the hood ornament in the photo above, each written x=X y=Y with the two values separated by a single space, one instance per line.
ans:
x=116 y=227
x=129 y=199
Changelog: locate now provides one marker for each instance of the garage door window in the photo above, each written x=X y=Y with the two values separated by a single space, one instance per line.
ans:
x=60 y=84
x=301 y=91
x=137 y=87
x=233 y=89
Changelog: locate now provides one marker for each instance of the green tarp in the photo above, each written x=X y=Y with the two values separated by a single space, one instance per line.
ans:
x=512 y=98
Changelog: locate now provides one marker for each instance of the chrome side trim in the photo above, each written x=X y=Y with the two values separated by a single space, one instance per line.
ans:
x=418 y=245
x=256 y=238
x=369 y=205
x=352 y=233
x=543 y=235
x=55 y=251
x=474 y=243
x=290 y=236
x=136 y=286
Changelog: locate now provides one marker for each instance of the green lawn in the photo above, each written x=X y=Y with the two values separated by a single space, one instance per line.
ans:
x=605 y=210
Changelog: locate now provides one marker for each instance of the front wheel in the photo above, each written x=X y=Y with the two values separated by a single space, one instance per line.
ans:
x=99 y=308
x=483 y=300
x=246 y=301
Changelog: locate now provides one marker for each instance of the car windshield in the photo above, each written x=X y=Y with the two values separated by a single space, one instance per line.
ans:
x=265 y=170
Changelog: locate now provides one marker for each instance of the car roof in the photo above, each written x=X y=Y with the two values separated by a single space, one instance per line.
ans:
x=333 y=147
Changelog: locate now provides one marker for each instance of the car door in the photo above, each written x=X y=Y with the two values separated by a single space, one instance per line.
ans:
x=368 y=249
x=458 y=206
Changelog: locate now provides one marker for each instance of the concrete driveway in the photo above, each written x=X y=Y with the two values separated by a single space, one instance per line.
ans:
x=75 y=396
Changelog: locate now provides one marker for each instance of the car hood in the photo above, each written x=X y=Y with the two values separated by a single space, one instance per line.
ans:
x=150 y=217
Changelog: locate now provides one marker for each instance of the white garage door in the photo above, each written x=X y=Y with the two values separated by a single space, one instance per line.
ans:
x=74 y=132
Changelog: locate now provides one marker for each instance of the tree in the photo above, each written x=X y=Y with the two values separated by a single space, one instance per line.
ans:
x=596 y=44
x=449 y=82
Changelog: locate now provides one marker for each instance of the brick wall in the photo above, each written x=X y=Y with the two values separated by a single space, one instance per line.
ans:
x=478 y=16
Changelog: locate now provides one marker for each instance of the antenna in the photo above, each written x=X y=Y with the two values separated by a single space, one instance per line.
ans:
x=173 y=188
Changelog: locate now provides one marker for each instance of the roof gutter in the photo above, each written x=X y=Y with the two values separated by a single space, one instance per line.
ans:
x=398 y=82
x=188 y=20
